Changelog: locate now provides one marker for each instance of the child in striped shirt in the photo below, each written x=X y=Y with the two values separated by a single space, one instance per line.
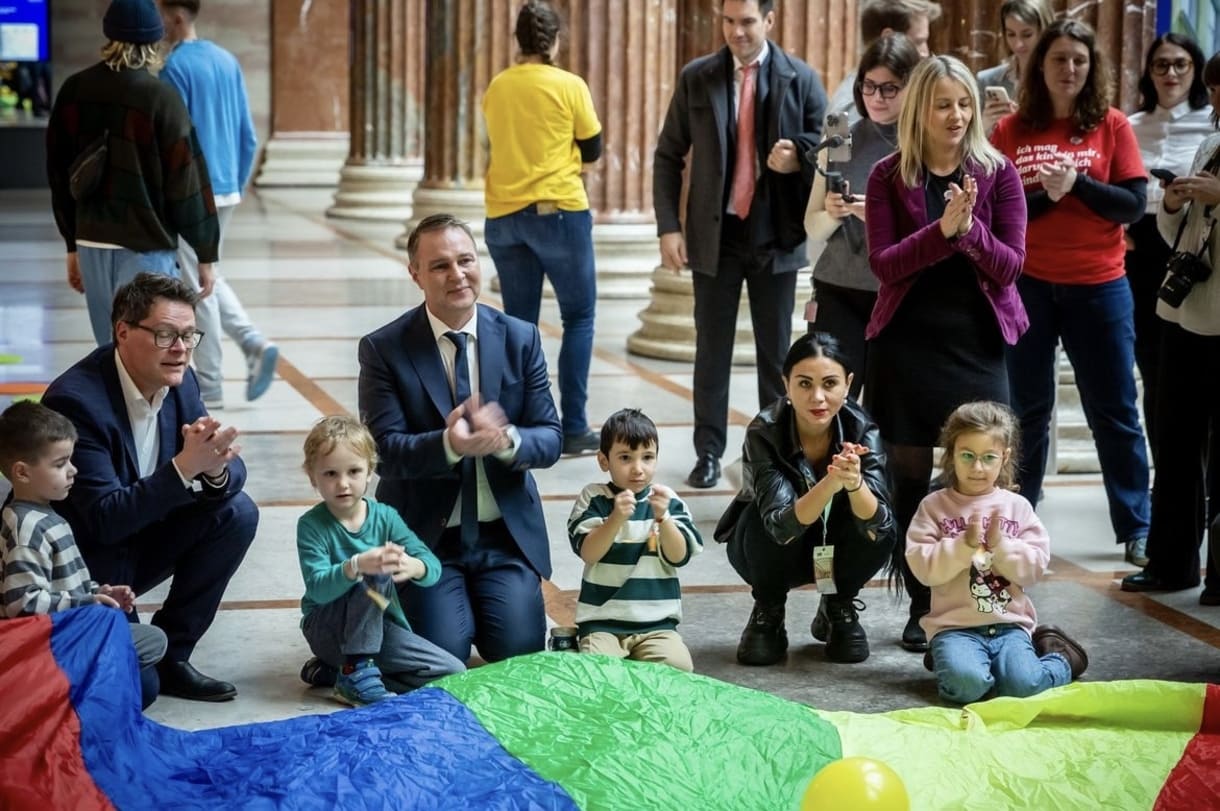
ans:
x=633 y=534
x=42 y=570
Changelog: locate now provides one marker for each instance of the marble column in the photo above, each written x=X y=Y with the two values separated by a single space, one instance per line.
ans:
x=385 y=158
x=468 y=42
x=822 y=32
x=309 y=94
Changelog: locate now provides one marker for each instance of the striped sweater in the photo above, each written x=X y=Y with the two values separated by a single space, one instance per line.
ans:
x=630 y=590
x=42 y=570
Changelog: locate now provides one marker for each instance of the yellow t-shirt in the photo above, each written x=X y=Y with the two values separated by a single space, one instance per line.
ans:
x=535 y=113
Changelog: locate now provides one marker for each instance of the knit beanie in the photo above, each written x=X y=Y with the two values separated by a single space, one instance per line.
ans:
x=135 y=21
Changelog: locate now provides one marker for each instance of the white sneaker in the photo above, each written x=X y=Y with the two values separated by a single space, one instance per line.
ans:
x=262 y=371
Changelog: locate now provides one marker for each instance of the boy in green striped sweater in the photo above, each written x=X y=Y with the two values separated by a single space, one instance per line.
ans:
x=633 y=534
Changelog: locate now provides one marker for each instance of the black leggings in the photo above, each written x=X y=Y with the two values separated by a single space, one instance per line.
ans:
x=910 y=469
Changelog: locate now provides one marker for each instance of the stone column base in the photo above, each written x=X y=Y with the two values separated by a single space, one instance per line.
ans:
x=379 y=192
x=305 y=159
x=667 y=324
x=627 y=255
x=465 y=204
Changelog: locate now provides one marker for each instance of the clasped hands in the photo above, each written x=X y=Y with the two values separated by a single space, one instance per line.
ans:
x=975 y=536
x=844 y=468
x=959 y=210
x=120 y=597
x=1058 y=176
x=207 y=448
x=478 y=429
x=392 y=559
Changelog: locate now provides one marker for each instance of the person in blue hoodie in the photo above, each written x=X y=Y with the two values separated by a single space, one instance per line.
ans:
x=211 y=83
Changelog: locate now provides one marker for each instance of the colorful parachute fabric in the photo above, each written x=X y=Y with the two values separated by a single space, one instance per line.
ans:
x=560 y=731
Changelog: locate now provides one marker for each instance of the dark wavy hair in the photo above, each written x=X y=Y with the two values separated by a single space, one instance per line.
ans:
x=1198 y=90
x=1089 y=109
x=895 y=53
x=537 y=29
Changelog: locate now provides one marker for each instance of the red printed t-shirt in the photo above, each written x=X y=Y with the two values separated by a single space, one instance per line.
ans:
x=1070 y=243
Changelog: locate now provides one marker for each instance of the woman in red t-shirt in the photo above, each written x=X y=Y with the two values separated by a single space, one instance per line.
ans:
x=1084 y=180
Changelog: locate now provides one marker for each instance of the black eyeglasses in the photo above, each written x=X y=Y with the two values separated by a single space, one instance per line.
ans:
x=164 y=338
x=888 y=90
x=1180 y=66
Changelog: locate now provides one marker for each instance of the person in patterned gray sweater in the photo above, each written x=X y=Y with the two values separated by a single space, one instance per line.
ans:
x=41 y=570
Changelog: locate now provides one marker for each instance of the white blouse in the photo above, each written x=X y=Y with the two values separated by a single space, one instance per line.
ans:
x=1168 y=139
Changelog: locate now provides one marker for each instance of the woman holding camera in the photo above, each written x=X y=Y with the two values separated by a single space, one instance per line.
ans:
x=1186 y=496
x=1173 y=118
x=946 y=239
x=1021 y=23
x=1084 y=181
x=845 y=288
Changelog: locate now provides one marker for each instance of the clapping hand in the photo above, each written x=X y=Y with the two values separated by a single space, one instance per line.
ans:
x=385 y=559
x=844 y=468
x=207 y=447
x=1058 y=177
x=959 y=210
x=478 y=429
x=659 y=497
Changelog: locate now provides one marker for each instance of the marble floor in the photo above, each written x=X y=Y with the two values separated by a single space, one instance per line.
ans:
x=316 y=285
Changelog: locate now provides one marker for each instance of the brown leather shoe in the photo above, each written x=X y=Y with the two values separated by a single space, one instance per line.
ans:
x=1051 y=639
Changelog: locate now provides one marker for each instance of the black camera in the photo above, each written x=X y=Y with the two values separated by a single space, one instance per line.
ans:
x=1184 y=270
x=836 y=184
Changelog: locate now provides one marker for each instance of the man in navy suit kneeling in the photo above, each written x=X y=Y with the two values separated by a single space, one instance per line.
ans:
x=158 y=488
x=457 y=396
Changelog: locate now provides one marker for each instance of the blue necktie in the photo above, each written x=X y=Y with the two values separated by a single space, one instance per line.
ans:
x=470 y=482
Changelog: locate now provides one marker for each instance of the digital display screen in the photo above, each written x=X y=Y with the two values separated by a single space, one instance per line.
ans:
x=23 y=31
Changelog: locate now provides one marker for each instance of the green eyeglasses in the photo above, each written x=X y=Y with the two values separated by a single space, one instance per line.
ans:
x=968 y=458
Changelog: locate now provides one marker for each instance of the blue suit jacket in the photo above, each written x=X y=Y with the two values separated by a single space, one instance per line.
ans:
x=405 y=398
x=109 y=501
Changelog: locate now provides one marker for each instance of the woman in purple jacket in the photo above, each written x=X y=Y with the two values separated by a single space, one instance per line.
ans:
x=946 y=238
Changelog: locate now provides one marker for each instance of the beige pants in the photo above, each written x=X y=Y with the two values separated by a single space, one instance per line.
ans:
x=665 y=647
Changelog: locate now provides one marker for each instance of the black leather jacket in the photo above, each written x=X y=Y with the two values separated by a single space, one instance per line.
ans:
x=775 y=474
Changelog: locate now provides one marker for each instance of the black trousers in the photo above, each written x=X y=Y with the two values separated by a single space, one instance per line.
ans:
x=1145 y=272
x=772 y=301
x=1188 y=424
x=773 y=569
x=844 y=313
x=201 y=546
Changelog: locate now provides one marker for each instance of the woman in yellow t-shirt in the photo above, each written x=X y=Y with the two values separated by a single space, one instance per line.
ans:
x=541 y=131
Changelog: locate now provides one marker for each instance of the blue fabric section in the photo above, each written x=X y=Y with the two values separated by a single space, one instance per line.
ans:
x=424 y=750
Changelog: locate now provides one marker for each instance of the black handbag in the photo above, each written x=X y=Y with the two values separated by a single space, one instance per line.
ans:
x=86 y=172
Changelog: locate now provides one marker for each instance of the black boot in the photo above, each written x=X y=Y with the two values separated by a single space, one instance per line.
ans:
x=820 y=627
x=764 y=640
x=847 y=641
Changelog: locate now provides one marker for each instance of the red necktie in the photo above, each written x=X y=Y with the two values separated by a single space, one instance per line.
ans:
x=743 y=164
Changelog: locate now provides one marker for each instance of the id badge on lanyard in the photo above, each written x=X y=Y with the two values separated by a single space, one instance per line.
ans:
x=824 y=558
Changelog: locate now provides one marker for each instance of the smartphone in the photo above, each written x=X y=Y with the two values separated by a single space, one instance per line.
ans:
x=996 y=93
x=1163 y=174
x=836 y=124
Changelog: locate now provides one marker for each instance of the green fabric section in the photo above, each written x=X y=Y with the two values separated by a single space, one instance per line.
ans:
x=631 y=735
x=1104 y=745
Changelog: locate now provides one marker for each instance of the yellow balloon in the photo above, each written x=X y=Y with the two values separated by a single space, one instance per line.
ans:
x=856 y=784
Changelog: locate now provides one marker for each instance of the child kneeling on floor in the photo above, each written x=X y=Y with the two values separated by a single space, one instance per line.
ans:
x=979 y=545
x=41 y=568
x=633 y=534
x=353 y=553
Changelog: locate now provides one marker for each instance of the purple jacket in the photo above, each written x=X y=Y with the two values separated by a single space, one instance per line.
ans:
x=902 y=242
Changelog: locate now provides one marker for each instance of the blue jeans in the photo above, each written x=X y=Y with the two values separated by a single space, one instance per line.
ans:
x=526 y=246
x=1096 y=323
x=105 y=270
x=970 y=662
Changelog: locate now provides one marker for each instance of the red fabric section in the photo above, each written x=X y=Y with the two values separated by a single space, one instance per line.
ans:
x=41 y=765
x=1195 y=782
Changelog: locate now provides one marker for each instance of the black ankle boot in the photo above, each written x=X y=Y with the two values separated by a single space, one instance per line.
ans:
x=847 y=641
x=820 y=627
x=764 y=640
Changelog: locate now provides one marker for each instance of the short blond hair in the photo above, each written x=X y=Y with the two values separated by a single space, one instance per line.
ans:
x=328 y=432
x=131 y=56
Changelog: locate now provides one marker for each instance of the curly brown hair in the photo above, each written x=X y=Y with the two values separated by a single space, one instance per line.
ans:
x=1089 y=109
x=537 y=29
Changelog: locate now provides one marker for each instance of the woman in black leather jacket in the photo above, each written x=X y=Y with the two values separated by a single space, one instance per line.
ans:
x=813 y=474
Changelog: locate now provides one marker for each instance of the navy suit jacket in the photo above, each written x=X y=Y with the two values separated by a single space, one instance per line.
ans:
x=405 y=398
x=109 y=501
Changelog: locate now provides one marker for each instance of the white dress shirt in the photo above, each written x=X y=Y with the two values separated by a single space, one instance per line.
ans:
x=489 y=510
x=1168 y=139
x=142 y=415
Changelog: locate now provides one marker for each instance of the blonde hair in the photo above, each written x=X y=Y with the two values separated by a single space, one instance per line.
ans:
x=328 y=432
x=130 y=56
x=996 y=420
x=912 y=120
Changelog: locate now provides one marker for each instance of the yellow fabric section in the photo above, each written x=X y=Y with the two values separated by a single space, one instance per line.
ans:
x=535 y=114
x=1105 y=745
